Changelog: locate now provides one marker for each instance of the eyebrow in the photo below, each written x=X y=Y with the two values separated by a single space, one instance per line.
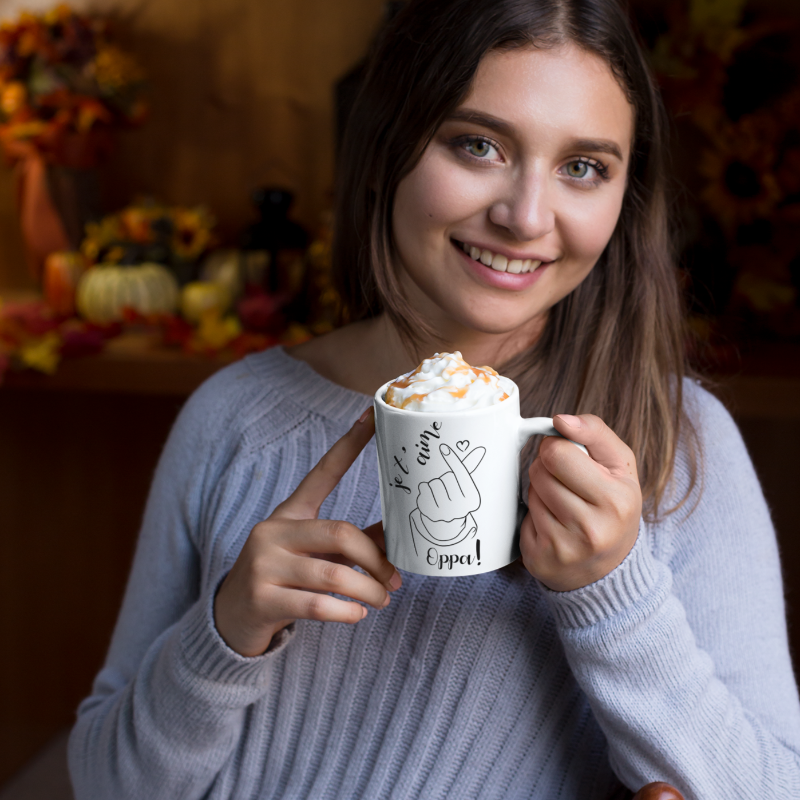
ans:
x=597 y=146
x=495 y=124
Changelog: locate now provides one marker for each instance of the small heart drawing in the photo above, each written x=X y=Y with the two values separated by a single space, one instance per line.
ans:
x=462 y=446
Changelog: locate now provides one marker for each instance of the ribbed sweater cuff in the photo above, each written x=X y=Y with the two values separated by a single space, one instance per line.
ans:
x=623 y=588
x=208 y=657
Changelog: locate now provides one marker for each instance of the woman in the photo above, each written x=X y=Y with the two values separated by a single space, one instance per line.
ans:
x=502 y=194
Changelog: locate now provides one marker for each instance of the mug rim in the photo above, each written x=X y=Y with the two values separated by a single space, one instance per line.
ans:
x=379 y=401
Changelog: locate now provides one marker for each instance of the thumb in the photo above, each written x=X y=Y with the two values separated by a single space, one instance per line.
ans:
x=604 y=446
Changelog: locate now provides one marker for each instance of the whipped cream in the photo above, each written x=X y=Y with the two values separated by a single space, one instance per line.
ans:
x=447 y=383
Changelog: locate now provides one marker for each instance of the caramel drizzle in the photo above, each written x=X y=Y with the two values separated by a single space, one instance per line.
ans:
x=484 y=374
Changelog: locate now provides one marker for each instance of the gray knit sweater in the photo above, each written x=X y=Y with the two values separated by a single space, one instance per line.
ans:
x=675 y=666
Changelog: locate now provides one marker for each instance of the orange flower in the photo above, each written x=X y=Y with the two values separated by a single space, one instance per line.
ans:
x=89 y=112
x=115 y=70
x=136 y=224
x=14 y=98
x=60 y=13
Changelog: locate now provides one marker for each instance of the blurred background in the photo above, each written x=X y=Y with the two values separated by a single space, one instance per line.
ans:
x=165 y=208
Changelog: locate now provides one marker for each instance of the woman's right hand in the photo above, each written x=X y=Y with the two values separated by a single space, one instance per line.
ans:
x=292 y=560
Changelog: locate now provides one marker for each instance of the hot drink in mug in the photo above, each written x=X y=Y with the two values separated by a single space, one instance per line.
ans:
x=449 y=437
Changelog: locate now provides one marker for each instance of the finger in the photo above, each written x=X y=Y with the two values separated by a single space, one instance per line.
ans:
x=299 y=604
x=425 y=501
x=463 y=478
x=319 y=575
x=566 y=505
x=308 y=497
x=563 y=461
x=552 y=538
x=451 y=489
x=336 y=536
x=375 y=532
x=473 y=459
x=604 y=446
x=433 y=500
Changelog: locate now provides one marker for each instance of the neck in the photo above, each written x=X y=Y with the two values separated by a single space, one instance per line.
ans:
x=365 y=355
x=488 y=349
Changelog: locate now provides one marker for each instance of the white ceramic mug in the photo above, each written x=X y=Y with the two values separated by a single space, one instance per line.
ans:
x=450 y=484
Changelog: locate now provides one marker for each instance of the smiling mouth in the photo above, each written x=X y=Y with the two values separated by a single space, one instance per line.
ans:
x=497 y=261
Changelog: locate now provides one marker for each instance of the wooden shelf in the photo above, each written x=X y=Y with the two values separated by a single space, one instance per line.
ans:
x=134 y=363
x=764 y=382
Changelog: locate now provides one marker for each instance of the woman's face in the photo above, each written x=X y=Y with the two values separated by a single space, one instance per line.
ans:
x=517 y=194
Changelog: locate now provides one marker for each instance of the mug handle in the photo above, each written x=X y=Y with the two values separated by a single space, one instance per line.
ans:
x=534 y=426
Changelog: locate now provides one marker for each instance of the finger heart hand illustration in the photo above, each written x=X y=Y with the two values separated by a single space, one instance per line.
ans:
x=454 y=494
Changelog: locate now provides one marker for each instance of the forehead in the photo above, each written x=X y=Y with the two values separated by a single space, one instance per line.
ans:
x=558 y=90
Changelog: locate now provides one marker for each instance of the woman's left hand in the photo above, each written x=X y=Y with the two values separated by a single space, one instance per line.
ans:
x=583 y=513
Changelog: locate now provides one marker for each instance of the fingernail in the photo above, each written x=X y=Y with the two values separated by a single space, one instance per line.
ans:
x=445 y=450
x=573 y=422
x=363 y=418
x=363 y=612
x=395 y=582
x=386 y=601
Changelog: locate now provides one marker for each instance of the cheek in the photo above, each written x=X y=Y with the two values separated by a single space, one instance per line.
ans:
x=588 y=227
x=436 y=194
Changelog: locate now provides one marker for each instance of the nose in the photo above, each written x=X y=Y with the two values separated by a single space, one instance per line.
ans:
x=524 y=208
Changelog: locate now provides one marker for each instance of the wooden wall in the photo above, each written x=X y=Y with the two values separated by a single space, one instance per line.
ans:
x=241 y=95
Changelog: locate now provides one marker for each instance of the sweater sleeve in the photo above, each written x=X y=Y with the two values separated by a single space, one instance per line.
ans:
x=682 y=650
x=167 y=708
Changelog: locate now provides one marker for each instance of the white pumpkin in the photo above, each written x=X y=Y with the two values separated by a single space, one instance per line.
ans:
x=105 y=290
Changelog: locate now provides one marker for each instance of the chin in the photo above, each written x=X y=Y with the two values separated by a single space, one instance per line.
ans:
x=499 y=324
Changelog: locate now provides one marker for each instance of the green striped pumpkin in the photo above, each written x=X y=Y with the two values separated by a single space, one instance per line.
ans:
x=105 y=290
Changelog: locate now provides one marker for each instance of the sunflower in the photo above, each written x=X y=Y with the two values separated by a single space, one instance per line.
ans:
x=191 y=232
x=742 y=185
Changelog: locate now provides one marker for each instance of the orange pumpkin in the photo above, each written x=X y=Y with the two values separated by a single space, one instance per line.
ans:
x=62 y=271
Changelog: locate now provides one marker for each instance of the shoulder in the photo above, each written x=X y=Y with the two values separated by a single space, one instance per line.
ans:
x=234 y=398
x=259 y=400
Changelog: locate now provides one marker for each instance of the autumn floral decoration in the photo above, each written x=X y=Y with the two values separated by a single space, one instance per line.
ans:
x=32 y=336
x=60 y=74
x=729 y=78
x=149 y=231
x=64 y=88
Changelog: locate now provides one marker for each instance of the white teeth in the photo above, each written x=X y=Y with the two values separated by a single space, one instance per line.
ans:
x=500 y=262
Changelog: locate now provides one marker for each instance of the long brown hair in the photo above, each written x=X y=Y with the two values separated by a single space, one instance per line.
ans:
x=615 y=345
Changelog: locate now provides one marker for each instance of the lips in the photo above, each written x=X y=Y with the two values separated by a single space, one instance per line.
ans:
x=497 y=261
